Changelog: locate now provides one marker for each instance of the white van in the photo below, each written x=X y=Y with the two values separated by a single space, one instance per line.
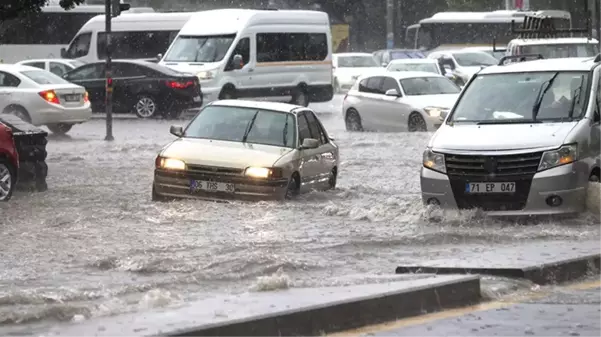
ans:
x=278 y=53
x=134 y=36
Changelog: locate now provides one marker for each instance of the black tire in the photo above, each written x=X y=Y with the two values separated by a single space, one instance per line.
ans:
x=8 y=172
x=228 y=93
x=19 y=112
x=300 y=97
x=146 y=106
x=594 y=177
x=60 y=128
x=332 y=179
x=353 y=120
x=416 y=123
x=293 y=189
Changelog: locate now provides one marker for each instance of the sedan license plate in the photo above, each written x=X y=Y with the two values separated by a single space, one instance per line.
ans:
x=490 y=187
x=72 y=98
x=196 y=98
x=212 y=186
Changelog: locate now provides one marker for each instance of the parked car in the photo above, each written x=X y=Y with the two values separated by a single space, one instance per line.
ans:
x=247 y=150
x=145 y=88
x=463 y=63
x=349 y=66
x=9 y=163
x=59 y=67
x=383 y=57
x=398 y=101
x=425 y=65
x=41 y=98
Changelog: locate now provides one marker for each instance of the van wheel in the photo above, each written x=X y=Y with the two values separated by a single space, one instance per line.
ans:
x=595 y=176
x=300 y=97
x=353 y=121
x=416 y=123
x=227 y=93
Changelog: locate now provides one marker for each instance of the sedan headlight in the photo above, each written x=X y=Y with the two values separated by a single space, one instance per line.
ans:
x=206 y=75
x=170 y=163
x=564 y=155
x=434 y=111
x=434 y=161
x=263 y=172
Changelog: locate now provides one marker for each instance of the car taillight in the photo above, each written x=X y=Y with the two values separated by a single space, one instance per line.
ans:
x=50 y=96
x=179 y=85
x=86 y=97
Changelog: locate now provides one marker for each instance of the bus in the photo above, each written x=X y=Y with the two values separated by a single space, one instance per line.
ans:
x=453 y=30
x=134 y=36
x=43 y=34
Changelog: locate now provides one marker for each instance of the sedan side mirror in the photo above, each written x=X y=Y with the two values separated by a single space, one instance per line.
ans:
x=393 y=93
x=310 y=143
x=238 y=62
x=177 y=131
x=159 y=56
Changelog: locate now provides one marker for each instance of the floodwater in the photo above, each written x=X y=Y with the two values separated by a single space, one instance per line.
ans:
x=94 y=244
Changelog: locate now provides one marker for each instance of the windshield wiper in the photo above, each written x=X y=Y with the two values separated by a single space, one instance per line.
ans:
x=575 y=93
x=510 y=121
x=249 y=126
x=285 y=133
x=541 y=93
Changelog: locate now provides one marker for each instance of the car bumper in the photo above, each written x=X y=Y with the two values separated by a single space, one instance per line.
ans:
x=433 y=123
x=563 y=181
x=55 y=115
x=177 y=184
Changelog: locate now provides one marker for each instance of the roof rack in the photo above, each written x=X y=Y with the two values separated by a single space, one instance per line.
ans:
x=540 y=27
x=520 y=58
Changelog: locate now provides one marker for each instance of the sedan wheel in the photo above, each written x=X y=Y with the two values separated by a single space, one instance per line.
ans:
x=6 y=182
x=145 y=107
x=353 y=121
x=417 y=123
x=60 y=128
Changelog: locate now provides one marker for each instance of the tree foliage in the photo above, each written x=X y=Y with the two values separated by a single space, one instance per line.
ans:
x=10 y=9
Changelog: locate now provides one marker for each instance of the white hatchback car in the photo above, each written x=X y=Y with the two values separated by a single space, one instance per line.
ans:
x=42 y=98
x=399 y=101
x=349 y=66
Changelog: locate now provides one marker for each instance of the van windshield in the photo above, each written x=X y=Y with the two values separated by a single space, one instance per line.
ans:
x=523 y=98
x=199 y=48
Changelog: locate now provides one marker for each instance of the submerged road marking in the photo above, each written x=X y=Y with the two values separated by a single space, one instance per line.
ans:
x=452 y=313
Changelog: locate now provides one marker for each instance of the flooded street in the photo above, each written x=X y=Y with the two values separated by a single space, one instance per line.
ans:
x=94 y=244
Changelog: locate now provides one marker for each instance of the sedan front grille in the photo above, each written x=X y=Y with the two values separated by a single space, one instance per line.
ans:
x=214 y=170
x=502 y=165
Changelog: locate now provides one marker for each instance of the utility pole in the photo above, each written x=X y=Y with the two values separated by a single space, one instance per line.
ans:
x=108 y=73
x=389 y=24
x=112 y=8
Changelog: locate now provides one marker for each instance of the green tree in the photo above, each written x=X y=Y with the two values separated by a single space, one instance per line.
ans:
x=10 y=9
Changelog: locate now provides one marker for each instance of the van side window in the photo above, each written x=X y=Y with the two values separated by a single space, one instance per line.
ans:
x=243 y=49
x=283 y=47
x=80 y=46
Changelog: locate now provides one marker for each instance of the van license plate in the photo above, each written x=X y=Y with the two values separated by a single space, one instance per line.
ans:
x=490 y=187
x=211 y=186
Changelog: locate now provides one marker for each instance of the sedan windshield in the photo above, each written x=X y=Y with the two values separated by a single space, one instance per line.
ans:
x=199 y=48
x=550 y=51
x=429 y=86
x=357 y=62
x=426 y=67
x=523 y=97
x=236 y=124
x=43 y=77
x=474 y=59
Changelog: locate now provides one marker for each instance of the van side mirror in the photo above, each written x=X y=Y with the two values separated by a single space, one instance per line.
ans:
x=238 y=62
x=177 y=131
x=64 y=53
x=310 y=143
x=393 y=93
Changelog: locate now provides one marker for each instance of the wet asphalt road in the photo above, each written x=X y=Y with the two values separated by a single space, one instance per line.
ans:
x=94 y=244
x=563 y=311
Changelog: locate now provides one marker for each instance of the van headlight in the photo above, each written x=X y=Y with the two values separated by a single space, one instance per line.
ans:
x=434 y=161
x=206 y=75
x=564 y=155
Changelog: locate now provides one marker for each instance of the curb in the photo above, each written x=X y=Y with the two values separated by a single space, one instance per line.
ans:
x=290 y=312
x=542 y=274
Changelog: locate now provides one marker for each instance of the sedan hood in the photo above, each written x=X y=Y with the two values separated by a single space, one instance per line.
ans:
x=438 y=101
x=501 y=137
x=222 y=153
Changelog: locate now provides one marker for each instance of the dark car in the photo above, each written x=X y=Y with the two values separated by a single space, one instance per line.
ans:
x=142 y=87
x=385 y=56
